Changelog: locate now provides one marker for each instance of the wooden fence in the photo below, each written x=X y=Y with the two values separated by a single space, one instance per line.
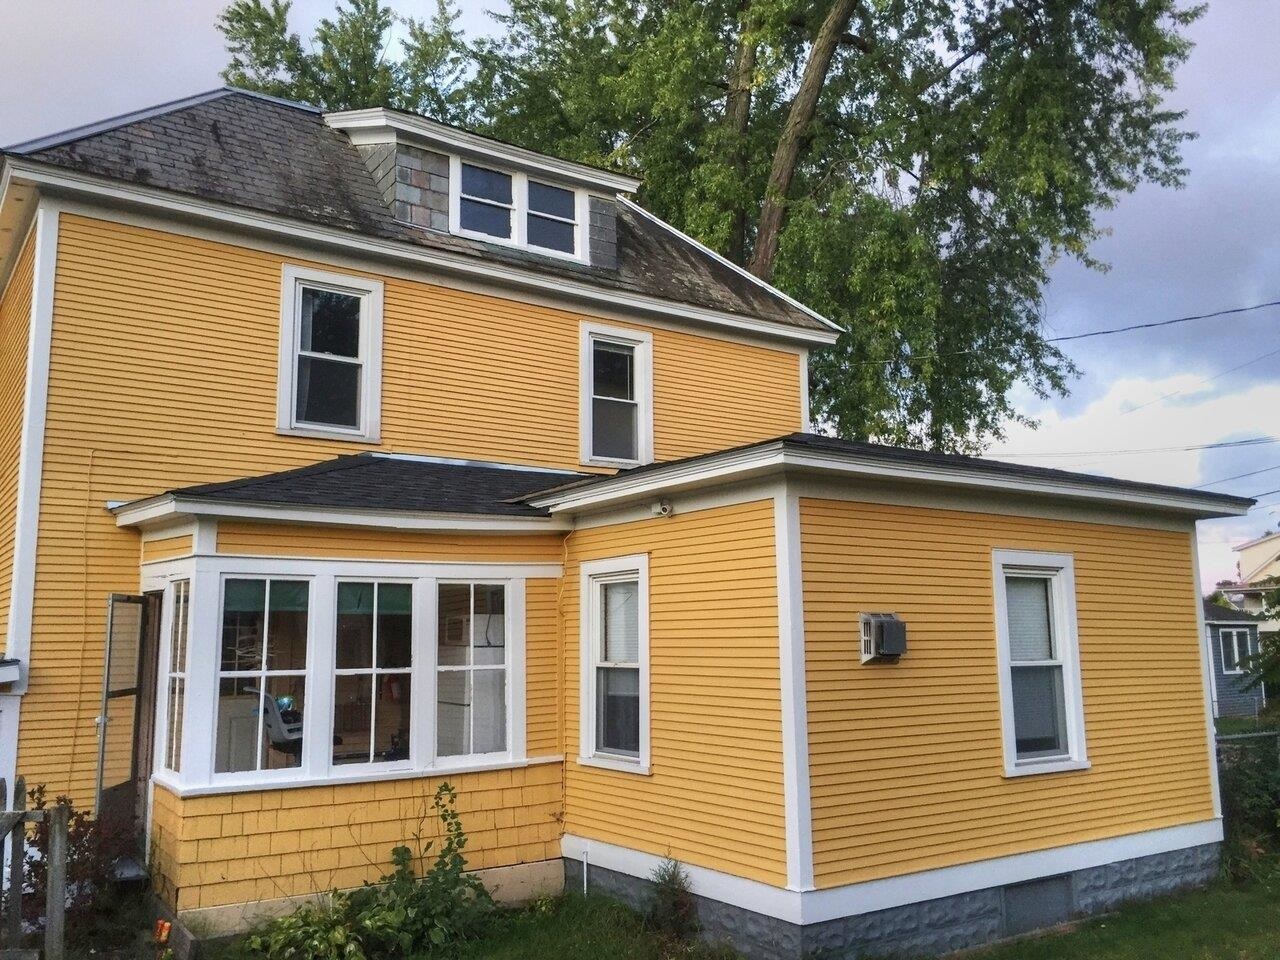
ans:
x=13 y=827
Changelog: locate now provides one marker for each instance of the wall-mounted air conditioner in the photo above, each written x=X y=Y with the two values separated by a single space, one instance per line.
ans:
x=884 y=638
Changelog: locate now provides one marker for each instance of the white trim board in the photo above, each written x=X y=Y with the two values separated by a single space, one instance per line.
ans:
x=1207 y=678
x=775 y=457
x=31 y=453
x=113 y=191
x=855 y=899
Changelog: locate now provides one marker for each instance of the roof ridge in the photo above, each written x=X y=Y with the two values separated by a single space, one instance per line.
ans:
x=72 y=134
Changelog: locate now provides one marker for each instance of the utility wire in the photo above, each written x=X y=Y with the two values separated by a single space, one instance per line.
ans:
x=1092 y=333
x=1253 y=441
x=1238 y=476
x=1216 y=376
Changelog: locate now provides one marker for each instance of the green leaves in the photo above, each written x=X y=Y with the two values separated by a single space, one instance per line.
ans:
x=956 y=148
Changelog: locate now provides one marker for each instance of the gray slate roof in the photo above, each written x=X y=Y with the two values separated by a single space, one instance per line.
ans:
x=1216 y=614
x=372 y=481
x=260 y=153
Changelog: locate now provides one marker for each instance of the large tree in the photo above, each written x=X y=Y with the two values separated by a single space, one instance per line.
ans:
x=908 y=167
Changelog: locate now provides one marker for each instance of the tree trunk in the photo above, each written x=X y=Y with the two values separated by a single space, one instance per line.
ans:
x=787 y=154
x=738 y=114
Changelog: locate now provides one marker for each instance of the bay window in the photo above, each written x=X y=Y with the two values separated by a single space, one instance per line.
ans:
x=306 y=671
x=1039 y=664
x=615 y=664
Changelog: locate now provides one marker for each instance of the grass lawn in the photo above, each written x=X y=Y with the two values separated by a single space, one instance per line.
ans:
x=1223 y=923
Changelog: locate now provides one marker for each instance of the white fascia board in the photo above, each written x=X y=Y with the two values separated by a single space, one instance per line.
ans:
x=561 y=289
x=379 y=125
x=774 y=456
x=145 y=513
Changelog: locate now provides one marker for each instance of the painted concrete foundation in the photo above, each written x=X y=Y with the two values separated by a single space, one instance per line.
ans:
x=935 y=926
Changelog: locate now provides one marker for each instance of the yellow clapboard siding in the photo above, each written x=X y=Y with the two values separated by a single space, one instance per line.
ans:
x=166 y=548
x=163 y=374
x=211 y=851
x=714 y=797
x=922 y=738
x=15 y=324
x=285 y=540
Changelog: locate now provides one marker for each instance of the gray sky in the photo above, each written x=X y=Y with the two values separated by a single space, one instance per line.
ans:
x=1213 y=245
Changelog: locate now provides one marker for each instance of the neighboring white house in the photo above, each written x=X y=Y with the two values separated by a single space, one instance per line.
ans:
x=1257 y=574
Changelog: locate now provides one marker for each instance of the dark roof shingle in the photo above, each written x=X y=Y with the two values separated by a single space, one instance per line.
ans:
x=1213 y=613
x=388 y=482
x=264 y=154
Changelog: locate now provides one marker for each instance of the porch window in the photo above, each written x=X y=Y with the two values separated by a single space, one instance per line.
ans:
x=175 y=685
x=617 y=405
x=262 y=678
x=330 y=345
x=471 y=686
x=615 y=664
x=1043 y=716
x=373 y=673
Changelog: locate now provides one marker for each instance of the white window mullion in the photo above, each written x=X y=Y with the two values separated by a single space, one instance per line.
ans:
x=203 y=654
x=520 y=195
x=317 y=750
x=422 y=743
x=516 y=668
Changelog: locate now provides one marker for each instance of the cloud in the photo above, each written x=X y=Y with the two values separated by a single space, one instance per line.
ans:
x=1125 y=418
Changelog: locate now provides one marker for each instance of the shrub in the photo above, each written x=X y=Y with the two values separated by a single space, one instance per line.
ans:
x=1249 y=779
x=414 y=910
x=673 y=911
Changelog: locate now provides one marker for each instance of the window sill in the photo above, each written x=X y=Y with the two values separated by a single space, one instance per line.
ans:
x=319 y=433
x=615 y=763
x=614 y=464
x=1031 y=768
x=444 y=768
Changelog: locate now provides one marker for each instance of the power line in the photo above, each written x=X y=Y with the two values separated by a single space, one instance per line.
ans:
x=1253 y=441
x=1238 y=476
x=1092 y=333
x=1216 y=376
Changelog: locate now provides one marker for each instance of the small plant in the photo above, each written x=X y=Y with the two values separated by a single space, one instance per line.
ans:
x=327 y=930
x=415 y=910
x=673 y=911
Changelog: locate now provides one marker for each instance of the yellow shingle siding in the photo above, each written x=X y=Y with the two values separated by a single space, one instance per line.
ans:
x=163 y=374
x=15 y=324
x=210 y=851
x=715 y=794
x=906 y=766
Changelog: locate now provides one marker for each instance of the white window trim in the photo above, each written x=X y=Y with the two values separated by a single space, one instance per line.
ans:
x=208 y=576
x=592 y=574
x=1060 y=569
x=641 y=341
x=520 y=212
x=370 y=293
x=1236 y=634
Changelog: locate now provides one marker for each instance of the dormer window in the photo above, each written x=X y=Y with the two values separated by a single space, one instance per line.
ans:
x=516 y=209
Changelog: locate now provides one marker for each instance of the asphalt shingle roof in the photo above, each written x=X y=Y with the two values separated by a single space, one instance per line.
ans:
x=372 y=481
x=255 y=152
x=1217 y=614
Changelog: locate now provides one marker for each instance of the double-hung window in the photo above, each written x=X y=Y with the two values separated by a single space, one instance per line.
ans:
x=471 y=682
x=175 y=685
x=373 y=665
x=330 y=355
x=513 y=208
x=262 y=677
x=1235 y=651
x=615 y=663
x=1041 y=704
x=617 y=396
